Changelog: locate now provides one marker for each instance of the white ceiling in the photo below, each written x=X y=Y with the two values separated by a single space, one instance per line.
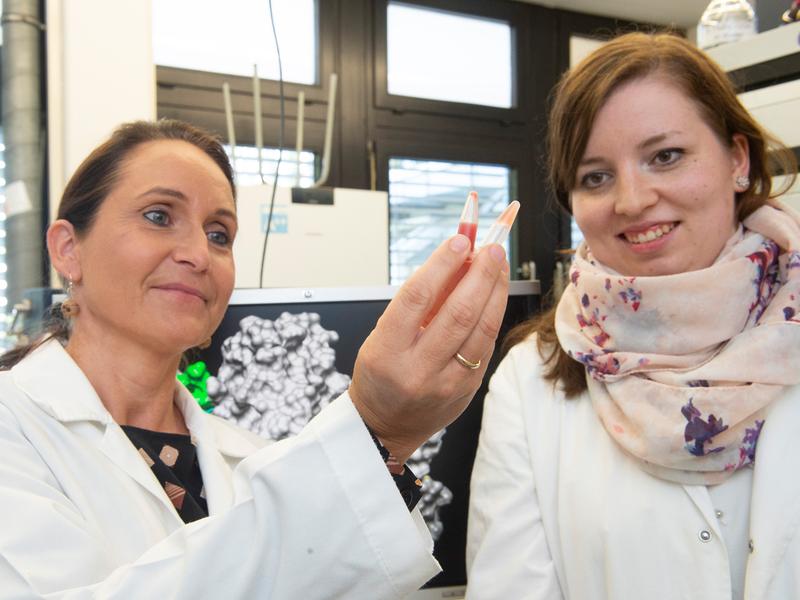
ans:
x=681 y=13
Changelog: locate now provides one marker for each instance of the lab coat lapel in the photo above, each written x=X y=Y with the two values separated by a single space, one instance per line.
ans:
x=775 y=509
x=220 y=446
x=210 y=443
x=49 y=370
x=56 y=384
x=702 y=500
x=118 y=448
x=45 y=374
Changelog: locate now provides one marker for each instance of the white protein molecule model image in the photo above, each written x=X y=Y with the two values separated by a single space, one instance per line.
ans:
x=276 y=375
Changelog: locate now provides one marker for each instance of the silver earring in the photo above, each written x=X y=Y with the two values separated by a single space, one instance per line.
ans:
x=742 y=183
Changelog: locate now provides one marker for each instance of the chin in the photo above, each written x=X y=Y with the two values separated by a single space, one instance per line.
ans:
x=178 y=344
x=663 y=269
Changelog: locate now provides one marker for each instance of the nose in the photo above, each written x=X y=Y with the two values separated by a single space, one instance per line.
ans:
x=192 y=250
x=633 y=193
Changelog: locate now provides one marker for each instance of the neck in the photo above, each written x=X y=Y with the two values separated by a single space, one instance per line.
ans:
x=136 y=384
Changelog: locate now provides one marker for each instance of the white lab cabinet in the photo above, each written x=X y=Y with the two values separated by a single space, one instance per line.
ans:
x=772 y=54
x=345 y=243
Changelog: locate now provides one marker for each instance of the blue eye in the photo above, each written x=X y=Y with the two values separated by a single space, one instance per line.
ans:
x=157 y=217
x=220 y=238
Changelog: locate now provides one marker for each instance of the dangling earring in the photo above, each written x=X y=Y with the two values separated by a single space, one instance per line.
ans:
x=204 y=344
x=742 y=183
x=69 y=308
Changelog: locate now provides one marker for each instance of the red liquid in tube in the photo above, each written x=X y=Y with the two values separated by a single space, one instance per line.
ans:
x=467 y=227
x=470 y=230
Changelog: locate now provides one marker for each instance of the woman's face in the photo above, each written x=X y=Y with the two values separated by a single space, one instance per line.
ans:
x=655 y=188
x=156 y=266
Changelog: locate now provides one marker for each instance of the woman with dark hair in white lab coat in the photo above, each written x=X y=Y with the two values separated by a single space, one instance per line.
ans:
x=114 y=483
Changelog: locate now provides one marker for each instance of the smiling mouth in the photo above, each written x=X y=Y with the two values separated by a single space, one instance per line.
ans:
x=650 y=234
x=182 y=290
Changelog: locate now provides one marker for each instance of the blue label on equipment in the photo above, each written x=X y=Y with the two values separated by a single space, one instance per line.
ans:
x=280 y=222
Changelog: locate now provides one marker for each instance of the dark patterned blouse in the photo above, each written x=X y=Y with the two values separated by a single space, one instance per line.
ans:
x=173 y=459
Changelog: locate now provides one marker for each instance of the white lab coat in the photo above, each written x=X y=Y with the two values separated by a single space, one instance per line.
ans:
x=558 y=511
x=83 y=516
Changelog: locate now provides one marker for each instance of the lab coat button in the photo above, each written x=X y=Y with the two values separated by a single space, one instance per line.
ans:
x=750 y=546
x=719 y=514
x=705 y=536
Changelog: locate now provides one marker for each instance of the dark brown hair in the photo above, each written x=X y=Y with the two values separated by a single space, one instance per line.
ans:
x=576 y=101
x=95 y=178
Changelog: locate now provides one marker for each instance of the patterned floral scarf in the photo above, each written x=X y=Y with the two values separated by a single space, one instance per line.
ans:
x=681 y=368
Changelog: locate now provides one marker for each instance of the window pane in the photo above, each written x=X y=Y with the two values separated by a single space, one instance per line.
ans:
x=449 y=56
x=246 y=166
x=207 y=35
x=425 y=202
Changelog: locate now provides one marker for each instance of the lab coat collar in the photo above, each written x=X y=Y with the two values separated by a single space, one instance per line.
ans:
x=215 y=439
x=228 y=439
x=55 y=383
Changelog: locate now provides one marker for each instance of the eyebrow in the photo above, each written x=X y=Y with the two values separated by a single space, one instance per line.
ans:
x=651 y=141
x=178 y=195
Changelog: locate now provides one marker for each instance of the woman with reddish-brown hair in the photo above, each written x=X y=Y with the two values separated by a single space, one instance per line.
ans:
x=640 y=439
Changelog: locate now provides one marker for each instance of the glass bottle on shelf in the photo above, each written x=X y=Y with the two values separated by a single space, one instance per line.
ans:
x=726 y=21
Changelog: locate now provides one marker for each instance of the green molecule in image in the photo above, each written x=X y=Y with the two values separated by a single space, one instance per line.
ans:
x=194 y=378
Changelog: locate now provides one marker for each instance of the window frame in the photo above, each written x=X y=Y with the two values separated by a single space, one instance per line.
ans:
x=511 y=12
x=411 y=148
x=196 y=96
x=350 y=33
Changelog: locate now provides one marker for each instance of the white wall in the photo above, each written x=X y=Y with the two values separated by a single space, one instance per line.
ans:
x=100 y=74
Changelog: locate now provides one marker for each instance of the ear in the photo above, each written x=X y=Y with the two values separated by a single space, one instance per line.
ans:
x=63 y=247
x=740 y=155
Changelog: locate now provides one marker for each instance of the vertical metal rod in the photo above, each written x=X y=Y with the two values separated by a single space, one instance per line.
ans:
x=226 y=96
x=257 y=118
x=326 y=152
x=301 y=108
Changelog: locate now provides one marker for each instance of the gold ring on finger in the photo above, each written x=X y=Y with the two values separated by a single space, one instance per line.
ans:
x=466 y=362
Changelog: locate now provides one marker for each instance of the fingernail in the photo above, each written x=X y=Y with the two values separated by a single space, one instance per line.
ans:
x=459 y=243
x=498 y=252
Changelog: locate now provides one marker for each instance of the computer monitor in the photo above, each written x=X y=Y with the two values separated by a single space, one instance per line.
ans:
x=280 y=355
